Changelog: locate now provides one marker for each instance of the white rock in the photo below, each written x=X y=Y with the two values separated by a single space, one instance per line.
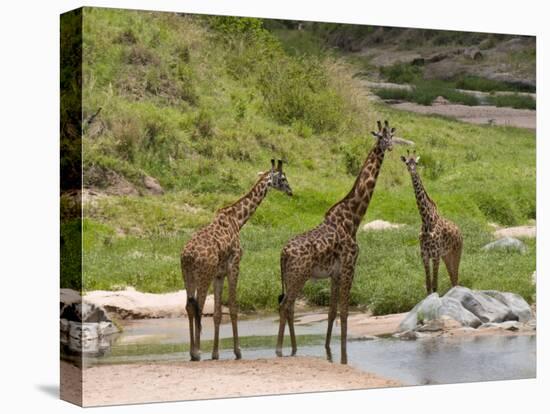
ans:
x=506 y=243
x=380 y=225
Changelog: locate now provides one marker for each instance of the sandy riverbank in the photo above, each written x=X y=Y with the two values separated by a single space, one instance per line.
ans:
x=139 y=383
x=484 y=115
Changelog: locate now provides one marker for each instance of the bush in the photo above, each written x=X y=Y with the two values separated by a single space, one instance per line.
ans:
x=298 y=90
x=513 y=101
x=477 y=83
x=425 y=92
x=433 y=168
x=401 y=73
x=496 y=209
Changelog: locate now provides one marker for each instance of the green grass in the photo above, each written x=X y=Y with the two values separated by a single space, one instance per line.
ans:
x=477 y=83
x=513 y=101
x=238 y=99
x=401 y=73
x=424 y=93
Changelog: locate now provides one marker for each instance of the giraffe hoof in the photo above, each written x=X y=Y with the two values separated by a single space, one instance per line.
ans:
x=279 y=353
x=215 y=356
x=195 y=356
x=238 y=354
x=293 y=352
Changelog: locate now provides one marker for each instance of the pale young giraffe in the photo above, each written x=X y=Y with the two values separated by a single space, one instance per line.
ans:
x=330 y=250
x=439 y=238
x=214 y=252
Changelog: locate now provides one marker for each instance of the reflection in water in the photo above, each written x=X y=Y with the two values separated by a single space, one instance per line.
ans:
x=424 y=361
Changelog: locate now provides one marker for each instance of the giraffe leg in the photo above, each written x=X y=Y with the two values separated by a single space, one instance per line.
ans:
x=218 y=289
x=290 y=319
x=452 y=261
x=346 y=279
x=426 y=261
x=333 y=310
x=282 y=325
x=435 y=273
x=200 y=299
x=456 y=265
x=190 y=308
x=232 y=298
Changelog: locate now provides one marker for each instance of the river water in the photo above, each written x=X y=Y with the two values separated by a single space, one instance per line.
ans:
x=423 y=361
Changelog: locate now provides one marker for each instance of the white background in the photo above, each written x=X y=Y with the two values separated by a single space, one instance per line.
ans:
x=29 y=185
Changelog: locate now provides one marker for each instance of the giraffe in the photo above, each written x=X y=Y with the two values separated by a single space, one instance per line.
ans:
x=330 y=250
x=439 y=238
x=214 y=252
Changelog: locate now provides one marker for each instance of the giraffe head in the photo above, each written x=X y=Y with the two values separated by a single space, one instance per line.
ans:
x=277 y=178
x=411 y=161
x=384 y=135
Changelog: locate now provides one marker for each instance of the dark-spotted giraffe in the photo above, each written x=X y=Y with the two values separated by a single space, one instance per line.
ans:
x=439 y=238
x=330 y=250
x=214 y=252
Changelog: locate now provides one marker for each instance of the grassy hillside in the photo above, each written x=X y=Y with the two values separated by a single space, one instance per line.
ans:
x=203 y=103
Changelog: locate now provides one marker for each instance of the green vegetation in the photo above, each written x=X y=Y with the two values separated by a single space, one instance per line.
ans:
x=202 y=104
x=424 y=93
x=401 y=73
x=476 y=83
x=513 y=101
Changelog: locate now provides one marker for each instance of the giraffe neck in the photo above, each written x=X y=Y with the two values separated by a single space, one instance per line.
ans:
x=245 y=207
x=351 y=209
x=426 y=206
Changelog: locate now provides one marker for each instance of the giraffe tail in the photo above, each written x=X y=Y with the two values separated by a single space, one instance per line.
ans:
x=197 y=311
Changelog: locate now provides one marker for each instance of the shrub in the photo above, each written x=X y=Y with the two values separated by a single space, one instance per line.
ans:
x=513 y=101
x=352 y=160
x=425 y=92
x=401 y=73
x=204 y=124
x=496 y=208
x=477 y=83
x=433 y=168
x=297 y=89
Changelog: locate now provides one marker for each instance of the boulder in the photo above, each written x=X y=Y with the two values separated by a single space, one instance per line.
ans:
x=485 y=307
x=506 y=243
x=473 y=53
x=518 y=231
x=380 y=225
x=68 y=297
x=402 y=141
x=517 y=305
x=131 y=304
x=84 y=327
x=409 y=335
x=440 y=100
x=453 y=309
x=467 y=308
x=152 y=185
x=423 y=311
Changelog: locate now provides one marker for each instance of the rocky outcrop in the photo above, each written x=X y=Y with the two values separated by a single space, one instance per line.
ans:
x=528 y=232
x=131 y=304
x=152 y=185
x=467 y=308
x=506 y=243
x=85 y=328
x=380 y=225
